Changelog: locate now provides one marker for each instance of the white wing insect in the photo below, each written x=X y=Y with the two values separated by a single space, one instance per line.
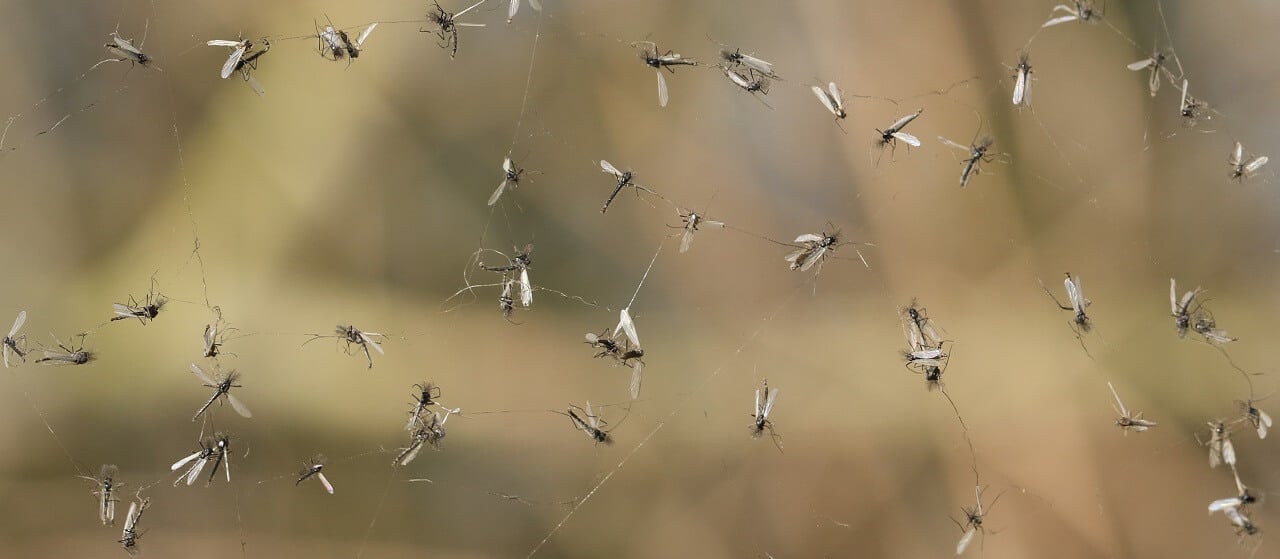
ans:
x=1126 y=421
x=832 y=98
x=1221 y=451
x=1240 y=169
x=1076 y=294
x=895 y=129
x=1082 y=11
x=239 y=48
x=200 y=457
x=507 y=170
x=609 y=168
x=10 y=342
x=1022 y=81
x=314 y=468
x=692 y=221
x=637 y=375
x=1258 y=419
x=515 y=7
x=628 y=327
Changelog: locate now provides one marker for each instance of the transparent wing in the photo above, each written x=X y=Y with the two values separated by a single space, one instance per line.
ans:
x=1228 y=453
x=902 y=122
x=195 y=470
x=769 y=401
x=1141 y=64
x=757 y=64
x=493 y=198
x=686 y=240
x=239 y=406
x=253 y=84
x=908 y=138
x=506 y=164
x=132 y=518
x=837 y=96
x=1224 y=504
x=200 y=374
x=184 y=461
x=224 y=43
x=360 y=42
x=1185 y=84
x=1173 y=296
x=121 y=310
x=17 y=323
x=125 y=45
x=662 y=89
x=232 y=61
x=368 y=340
x=1020 y=88
x=1256 y=164
x=325 y=481
x=536 y=5
x=469 y=8
x=809 y=238
x=609 y=168
x=512 y=9
x=411 y=453
x=1237 y=154
x=459 y=24
x=965 y=539
x=813 y=259
x=526 y=289
x=592 y=419
x=952 y=144
x=637 y=372
x=756 y=411
x=627 y=326
x=825 y=98
x=1057 y=20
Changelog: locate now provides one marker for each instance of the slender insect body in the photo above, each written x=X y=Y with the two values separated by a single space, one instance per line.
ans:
x=979 y=152
x=1022 y=81
x=313 y=468
x=105 y=487
x=669 y=60
x=604 y=342
x=505 y=303
x=813 y=250
x=243 y=59
x=1244 y=167
x=353 y=48
x=736 y=57
x=1156 y=63
x=350 y=335
x=68 y=355
x=1221 y=451
x=1080 y=10
x=145 y=310
x=760 y=412
x=128 y=52
x=447 y=26
x=624 y=179
x=1075 y=294
x=14 y=344
x=425 y=394
x=129 y=538
x=831 y=98
x=1129 y=421
x=589 y=423
x=692 y=221
x=221 y=389
x=510 y=176
x=429 y=431
x=751 y=82
x=890 y=136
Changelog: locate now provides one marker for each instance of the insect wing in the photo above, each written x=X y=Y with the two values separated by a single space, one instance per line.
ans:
x=512 y=9
x=965 y=539
x=826 y=99
x=254 y=85
x=367 y=337
x=814 y=256
x=904 y=121
x=637 y=373
x=809 y=238
x=17 y=323
x=325 y=482
x=1075 y=293
x=1057 y=20
x=493 y=198
x=769 y=401
x=627 y=326
x=239 y=406
x=952 y=144
x=360 y=42
x=526 y=288
x=1264 y=423
x=195 y=470
x=908 y=138
x=232 y=61
x=184 y=461
x=1020 y=87
x=686 y=240
x=1139 y=65
x=1253 y=166
x=200 y=374
x=1221 y=505
x=758 y=65
x=1237 y=155
x=662 y=89
x=609 y=168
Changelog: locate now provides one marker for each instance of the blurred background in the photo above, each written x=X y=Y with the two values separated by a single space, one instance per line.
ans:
x=355 y=194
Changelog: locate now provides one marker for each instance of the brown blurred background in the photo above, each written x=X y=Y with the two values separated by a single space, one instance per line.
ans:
x=356 y=194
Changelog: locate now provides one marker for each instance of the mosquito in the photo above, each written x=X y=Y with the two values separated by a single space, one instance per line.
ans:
x=978 y=153
x=751 y=82
x=813 y=250
x=761 y=411
x=521 y=263
x=9 y=345
x=1206 y=326
x=1156 y=63
x=447 y=26
x=624 y=178
x=692 y=221
x=1181 y=309
x=213 y=336
x=1244 y=497
x=243 y=58
x=515 y=7
x=505 y=302
x=1081 y=10
x=331 y=43
x=129 y=538
x=313 y=469
x=669 y=60
x=1127 y=421
x=510 y=176
x=1191 y=109
x=221 y=388
x=1221 y=451
x=890 y=136
x=128 y=52
x=973 y=520
x=1078 y=302
x=589 y=423
x=1242 y=169
x=736 y=57
x=215 y=450
x=1022 y=81
x=352 y=335
x=631 y=354
x=1258 y=419
x=429 y=432
x=145 y=310
x=67 y=355
x=921 y=326
x=833 y=99
x=105 y=492
x=425 y=395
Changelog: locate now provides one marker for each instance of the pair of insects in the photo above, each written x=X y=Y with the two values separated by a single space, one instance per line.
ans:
x=427 y=430
x=243 y=58
x=336 y=44
x=628 y=353
x=925 y=354
x=216 y=450
x=129 y=538
x=1195 y=318
x=814 y=248
x=519 y=266
x=1236 y=508
x=354 y=336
